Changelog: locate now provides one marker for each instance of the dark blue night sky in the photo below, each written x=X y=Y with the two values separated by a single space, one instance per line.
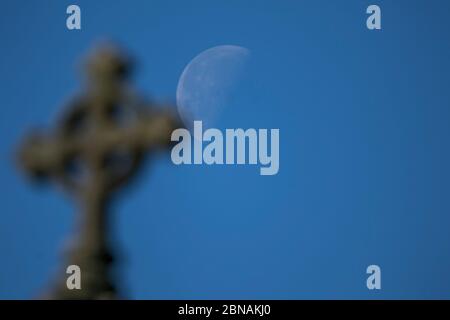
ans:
x=364 y=149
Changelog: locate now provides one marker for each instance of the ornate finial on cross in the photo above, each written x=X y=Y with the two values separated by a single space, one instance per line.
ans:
x=96 y=148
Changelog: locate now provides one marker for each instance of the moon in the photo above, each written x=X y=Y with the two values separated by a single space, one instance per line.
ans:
x=207 y=83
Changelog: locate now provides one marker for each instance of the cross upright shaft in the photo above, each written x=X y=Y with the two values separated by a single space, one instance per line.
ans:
x=98 y=147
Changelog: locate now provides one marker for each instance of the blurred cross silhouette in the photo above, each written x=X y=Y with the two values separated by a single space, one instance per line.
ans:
x=97 y=147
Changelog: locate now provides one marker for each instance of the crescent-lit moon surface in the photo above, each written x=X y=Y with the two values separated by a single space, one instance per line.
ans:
x=207 y=82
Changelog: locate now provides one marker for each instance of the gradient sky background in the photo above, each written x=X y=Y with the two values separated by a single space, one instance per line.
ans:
x=364 y=159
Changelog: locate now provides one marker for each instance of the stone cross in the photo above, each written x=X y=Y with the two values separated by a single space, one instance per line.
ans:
x=97 y=148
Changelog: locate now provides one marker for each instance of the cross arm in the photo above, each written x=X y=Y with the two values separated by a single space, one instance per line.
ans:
x=41 y=156
x=154 y=130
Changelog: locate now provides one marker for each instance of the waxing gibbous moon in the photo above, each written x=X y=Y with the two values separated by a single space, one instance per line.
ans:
x=207 y=82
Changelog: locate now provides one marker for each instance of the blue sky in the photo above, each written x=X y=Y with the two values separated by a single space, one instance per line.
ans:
x=364 y=152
